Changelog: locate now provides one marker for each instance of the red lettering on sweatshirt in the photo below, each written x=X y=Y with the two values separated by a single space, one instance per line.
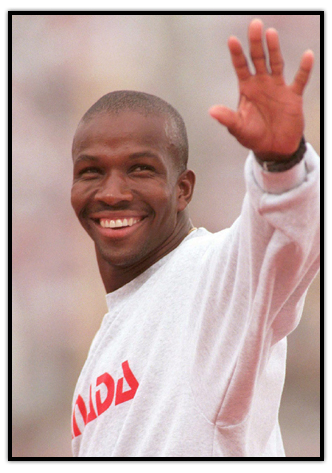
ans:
x=102 y=406
x=132 y=382
x=109 y=383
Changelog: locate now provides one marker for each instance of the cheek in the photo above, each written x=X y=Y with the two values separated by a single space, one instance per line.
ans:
x=157 y=194
x=79 y=198
x=74 y=199
x=165 y=205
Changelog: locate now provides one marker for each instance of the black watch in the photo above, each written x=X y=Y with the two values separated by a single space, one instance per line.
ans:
x=280 y=166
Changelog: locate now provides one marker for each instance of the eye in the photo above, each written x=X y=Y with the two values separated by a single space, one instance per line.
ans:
x=89 y=172
x=142 y=169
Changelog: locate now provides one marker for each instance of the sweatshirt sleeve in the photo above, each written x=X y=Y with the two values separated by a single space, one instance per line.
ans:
x=288 y=203
x=276 y=243
x=252 y=284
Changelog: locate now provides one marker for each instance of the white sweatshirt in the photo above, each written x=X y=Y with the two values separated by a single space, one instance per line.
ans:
x=190 y=359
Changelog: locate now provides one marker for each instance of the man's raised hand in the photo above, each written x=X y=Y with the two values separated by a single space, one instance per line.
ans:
x=269 y=119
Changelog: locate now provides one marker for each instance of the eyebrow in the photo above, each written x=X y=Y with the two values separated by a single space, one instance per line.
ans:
x=143 y=154
x=85 y=157
x=137 y=155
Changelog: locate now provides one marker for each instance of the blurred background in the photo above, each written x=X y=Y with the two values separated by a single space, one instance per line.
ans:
x=61 y=65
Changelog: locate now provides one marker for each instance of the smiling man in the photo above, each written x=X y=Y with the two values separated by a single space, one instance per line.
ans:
x=190 y=359
x=131 y=185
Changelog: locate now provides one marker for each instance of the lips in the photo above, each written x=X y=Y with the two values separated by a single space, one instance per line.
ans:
x=119 y=222
x=116 y=227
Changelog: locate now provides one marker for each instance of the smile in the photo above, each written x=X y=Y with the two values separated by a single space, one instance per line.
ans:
x=119 y=222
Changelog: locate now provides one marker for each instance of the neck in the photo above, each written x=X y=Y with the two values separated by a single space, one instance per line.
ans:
x=115 y=277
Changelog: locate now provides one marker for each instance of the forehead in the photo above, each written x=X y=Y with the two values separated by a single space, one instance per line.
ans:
x=124 y=129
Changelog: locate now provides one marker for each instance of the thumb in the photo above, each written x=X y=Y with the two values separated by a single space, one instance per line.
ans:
x=224 y=115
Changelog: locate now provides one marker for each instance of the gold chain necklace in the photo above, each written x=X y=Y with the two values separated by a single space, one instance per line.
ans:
x=192 y=230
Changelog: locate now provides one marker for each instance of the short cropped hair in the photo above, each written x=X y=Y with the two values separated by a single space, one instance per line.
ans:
x=146 y=104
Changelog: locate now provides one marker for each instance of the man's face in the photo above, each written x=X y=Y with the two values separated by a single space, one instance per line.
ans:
x=125 y=187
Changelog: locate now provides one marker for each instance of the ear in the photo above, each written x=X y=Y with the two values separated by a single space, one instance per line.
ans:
x=186 y=184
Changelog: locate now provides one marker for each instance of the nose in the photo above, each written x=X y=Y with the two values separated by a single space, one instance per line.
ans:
x=114 y=189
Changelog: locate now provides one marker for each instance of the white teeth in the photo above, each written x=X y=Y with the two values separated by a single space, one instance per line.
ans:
x=118 y=223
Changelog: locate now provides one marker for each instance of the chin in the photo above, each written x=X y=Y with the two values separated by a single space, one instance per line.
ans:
x=121 y=258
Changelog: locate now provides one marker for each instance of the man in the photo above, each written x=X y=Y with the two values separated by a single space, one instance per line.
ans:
x=190 y=359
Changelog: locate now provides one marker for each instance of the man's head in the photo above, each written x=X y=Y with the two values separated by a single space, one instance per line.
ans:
x=148 y=105
x=131 y=186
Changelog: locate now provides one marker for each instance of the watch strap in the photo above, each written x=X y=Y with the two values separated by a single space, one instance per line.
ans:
x=280 y=166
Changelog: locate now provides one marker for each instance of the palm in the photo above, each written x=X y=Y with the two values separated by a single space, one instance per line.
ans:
x=269 y=119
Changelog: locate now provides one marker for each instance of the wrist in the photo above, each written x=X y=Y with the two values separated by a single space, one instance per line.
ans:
x=282 y=163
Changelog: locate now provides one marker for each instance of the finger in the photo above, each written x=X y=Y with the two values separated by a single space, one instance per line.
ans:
x=256 y=46
x=276 y=59
x=224 y=115
x=238 y=59
x=302 y=76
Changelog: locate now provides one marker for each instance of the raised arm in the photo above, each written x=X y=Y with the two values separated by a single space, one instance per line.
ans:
x=269 y=119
